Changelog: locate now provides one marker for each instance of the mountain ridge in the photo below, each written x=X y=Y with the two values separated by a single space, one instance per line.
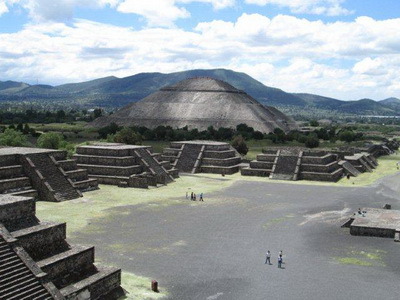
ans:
x=112 y=92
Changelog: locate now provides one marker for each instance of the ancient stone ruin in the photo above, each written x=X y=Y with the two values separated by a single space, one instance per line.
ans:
x=124 y=165
x=41 y=173
x=199 y=103
x=375 y=222
x=36 y=262
x=295 y=164
x=203 y=157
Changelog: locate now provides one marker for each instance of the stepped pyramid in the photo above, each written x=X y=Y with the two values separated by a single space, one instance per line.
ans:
x=203 y=157
x=124 y=165
x=199 y=103
x=295 y=164
x=45 y=174
x=36 y=262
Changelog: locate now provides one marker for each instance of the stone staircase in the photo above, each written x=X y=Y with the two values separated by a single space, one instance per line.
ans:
x=188 y=157
x=16 y=280
x=55 y=177
x=69 y=269
x=285 y=168
x=154 y=166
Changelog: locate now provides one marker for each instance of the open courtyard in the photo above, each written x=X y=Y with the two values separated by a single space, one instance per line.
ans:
x=216 y=249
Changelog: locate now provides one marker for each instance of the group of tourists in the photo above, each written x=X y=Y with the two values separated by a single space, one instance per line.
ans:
x=193 y=196
x=280 y=258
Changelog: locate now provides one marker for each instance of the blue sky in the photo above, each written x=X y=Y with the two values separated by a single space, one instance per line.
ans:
x=337 y=48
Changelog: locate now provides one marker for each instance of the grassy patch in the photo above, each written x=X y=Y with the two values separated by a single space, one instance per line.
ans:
x=139 y=287
x=96 y=204
x=353 y=261
x=387 y=166
x=272 y=222
x=362 y=258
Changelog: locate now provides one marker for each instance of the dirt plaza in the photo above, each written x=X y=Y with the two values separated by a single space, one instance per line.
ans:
x=216 y=249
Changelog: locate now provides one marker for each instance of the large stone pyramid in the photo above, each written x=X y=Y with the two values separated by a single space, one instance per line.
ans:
x=199 y=103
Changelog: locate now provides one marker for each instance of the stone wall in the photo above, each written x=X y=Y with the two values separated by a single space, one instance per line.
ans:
x=368 y=231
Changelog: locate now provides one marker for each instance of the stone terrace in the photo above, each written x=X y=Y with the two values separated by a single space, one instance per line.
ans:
x=124 y=165
x=41 y=173
x=203 y=157
x=38 y=263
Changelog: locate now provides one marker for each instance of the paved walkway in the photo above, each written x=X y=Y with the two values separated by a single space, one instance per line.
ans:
x=216 y=249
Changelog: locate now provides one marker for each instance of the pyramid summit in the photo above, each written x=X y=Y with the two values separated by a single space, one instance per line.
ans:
x=199 y=103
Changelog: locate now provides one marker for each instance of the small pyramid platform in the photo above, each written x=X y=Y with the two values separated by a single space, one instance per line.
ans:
x=36 y=261
x=45 y=174
x=295 y=165
x=124 y=165
x=203 y=157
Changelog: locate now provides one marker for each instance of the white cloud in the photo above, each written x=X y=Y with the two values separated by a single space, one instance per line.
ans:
x=3 y=7
x=317 y=7
x=166 y=12
x=347 y=60
x=60 y=10
x=157 y=13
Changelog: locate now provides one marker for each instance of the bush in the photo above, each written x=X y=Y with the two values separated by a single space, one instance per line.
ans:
x=312 y=141
x=240 y=145
x=128 y=136
x=11 y=137
x=50 y=140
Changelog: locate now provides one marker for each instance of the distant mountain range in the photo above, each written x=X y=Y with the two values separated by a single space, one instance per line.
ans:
x=112 y=92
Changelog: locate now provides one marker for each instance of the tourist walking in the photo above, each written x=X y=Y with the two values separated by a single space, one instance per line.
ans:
x=194 y=197
x=201 y=197
x=268 y=258
x=191 y=196
x=280 y=261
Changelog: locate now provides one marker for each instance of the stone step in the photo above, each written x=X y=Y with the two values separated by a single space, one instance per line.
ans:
x=12 y=184
x=86 y=185
x=220 y=170
x=105 y=160
x=112 y=170
x=29 y=192
x=18 y=273
x=41 y=239
x=18 y=285
x=11 y=268
x=27 y=291
x=77 y=174
x=256 y=172
x=67 y=165
x=99 y=284
x=76 y=259
x=114 y=180
x=8 y=172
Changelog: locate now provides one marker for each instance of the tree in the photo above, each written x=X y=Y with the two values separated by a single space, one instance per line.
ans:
x=110 y=129
x=50 y=140
x=26 y=129
x=11 y=137
x=347 y=136
x=312 y=141
x=97 y=113
x=240 y=145
x=314 y=123
x=128 y=136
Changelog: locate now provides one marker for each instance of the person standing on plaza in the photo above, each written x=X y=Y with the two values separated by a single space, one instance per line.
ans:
x=201 y=197
x=280 y=261
x=268 y=258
